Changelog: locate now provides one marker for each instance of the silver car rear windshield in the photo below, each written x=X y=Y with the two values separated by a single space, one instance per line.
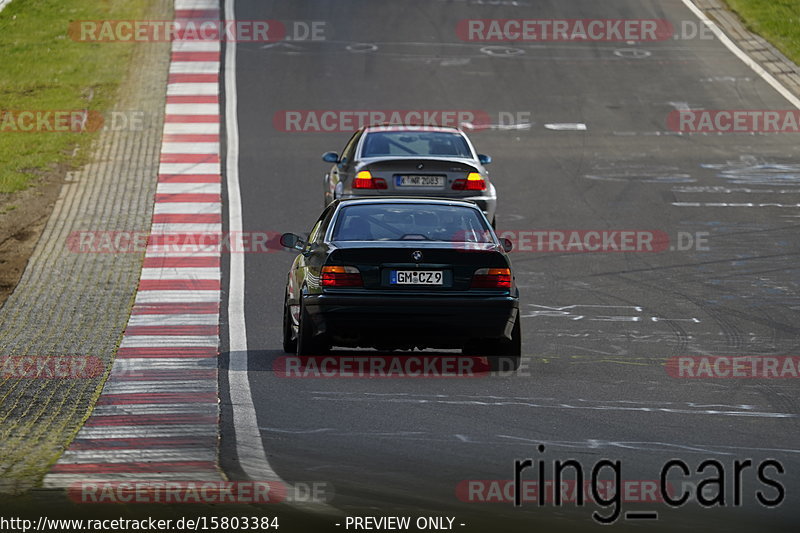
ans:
x=400 y=222
x=415 y=143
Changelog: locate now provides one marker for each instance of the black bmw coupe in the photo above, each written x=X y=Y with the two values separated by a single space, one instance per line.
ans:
x=402 y=273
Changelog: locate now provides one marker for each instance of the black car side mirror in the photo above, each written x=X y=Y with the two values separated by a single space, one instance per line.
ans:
x=507 y=244
x=290 y=240
x=484 y=159
x=330 y=157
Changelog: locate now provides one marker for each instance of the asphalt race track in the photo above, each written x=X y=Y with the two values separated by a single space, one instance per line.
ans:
x=598 y=329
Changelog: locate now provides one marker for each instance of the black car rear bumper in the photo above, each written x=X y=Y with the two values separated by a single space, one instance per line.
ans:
x=395 y=320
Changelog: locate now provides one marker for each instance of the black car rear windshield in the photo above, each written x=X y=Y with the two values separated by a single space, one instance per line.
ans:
x=415 y=143
x=401 y=222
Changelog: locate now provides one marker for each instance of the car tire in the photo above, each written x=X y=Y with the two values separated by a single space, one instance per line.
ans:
x=306 y=343
x=508 y=353
x=289 y=343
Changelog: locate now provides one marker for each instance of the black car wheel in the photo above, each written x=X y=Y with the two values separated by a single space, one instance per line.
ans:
x=508 y=352
x=306 y=343
x=501 y=354
x=289 y=340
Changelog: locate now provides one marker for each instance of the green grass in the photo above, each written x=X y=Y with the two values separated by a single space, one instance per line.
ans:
x=42 y=68
x=778 y=21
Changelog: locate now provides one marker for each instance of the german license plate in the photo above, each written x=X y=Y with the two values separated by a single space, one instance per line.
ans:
x=415 y=277
x=420 y=181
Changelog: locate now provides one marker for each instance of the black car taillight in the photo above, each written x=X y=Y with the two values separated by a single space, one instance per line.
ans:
x=492 y=278
x=340 y=276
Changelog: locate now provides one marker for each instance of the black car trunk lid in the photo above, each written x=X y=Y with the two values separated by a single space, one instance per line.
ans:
x=417 y=265
x=421 y=175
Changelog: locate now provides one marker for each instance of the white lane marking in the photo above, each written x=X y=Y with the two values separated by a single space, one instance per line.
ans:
x=190 y=148
x=152 y=455
x=178 y=188
x=660 y=133
x=187 y=208
x=537 y=404
x=194 y=67
x=282 y=46
x=195 y=46
x=719 y=189
x=502 y=51
x=566 y=126
x=520 y=126
x=169 y=273
x=249 y=444
x=179 y=227
x=725 y=204
x=191 y=127
x=146 y=341
x=680 y=106
x=185 y=89
x=356 y=47
x=634 y=53
x=729 y=79
x=730 y=45
x=144 y=297
x=541 y=398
